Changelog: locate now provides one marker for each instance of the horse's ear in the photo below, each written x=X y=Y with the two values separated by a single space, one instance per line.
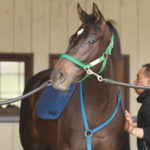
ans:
x=82 y=14
x=98 y=14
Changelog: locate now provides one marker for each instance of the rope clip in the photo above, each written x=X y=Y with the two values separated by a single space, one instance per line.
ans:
x=90 y=72
x=49 y=82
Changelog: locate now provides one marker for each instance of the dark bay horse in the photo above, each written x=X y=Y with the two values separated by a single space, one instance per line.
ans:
x=68 y=132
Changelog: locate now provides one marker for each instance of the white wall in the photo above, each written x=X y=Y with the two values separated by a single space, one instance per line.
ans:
x=44 y=26
x=9 y=137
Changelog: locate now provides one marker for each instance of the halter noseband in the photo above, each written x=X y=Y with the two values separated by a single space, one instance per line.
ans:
x=102 y=58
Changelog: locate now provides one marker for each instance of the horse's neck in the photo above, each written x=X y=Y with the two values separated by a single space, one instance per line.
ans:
x=103 y=96
x=99 y=89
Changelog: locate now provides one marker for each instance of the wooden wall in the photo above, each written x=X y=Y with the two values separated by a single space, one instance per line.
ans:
x=44 y=26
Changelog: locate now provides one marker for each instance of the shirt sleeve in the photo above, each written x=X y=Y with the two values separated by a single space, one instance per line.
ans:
x=146 y=134
x=146 y=115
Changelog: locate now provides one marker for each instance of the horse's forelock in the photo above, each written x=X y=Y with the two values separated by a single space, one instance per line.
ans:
x=90 y=22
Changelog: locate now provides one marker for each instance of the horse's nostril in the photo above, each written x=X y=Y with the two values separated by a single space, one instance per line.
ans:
x=60 y=75
x=57 y=76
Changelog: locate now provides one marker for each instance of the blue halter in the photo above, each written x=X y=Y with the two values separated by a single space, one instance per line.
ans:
x=90 y=132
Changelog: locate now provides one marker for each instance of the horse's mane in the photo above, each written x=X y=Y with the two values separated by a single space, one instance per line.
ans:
x=111 y=23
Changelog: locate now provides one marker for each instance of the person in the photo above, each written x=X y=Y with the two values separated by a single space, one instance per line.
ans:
x=142 y=130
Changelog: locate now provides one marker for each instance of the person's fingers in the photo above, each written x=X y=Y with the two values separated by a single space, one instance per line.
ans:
x=129 y=124
x=128 y=127
x=128 y=117
x=127 y=114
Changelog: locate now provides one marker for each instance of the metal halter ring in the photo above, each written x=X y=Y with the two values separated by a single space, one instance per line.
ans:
x=88 y=70
x=100 y=78
x=105 y=55
x=88 y=133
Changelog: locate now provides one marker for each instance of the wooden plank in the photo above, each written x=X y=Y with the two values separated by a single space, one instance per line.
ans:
x=16 y=137
x=58 y=26
x=111 y=11
x=6 y=136
x=129 y=38
x=73 y=18
x=144 y=32
x=22 y=25
x=41 y=34
x=89 y=5
x=6 y=25
x=129 y=26
x=129 y=35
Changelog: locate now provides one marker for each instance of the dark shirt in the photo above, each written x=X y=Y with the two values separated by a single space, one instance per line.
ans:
x=143 y=119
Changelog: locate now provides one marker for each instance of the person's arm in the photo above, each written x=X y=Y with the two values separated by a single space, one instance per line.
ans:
x=132 y=128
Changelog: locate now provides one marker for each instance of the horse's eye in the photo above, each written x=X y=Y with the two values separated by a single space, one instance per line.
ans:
x=91 y=41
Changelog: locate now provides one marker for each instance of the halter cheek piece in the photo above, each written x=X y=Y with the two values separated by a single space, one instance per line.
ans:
x=102 y=58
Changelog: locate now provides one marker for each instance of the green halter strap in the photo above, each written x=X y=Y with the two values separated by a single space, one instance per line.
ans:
x=102 y=58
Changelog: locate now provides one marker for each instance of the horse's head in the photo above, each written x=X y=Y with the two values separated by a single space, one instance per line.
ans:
x=87 y=44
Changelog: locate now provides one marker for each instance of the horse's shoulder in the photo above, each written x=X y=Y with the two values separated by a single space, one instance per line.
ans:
x=38 y=79
x=42 y=74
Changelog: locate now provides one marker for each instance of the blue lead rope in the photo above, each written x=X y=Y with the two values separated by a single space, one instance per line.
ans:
x=89 y=132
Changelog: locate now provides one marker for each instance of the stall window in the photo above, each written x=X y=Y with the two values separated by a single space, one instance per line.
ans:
x=15 y=71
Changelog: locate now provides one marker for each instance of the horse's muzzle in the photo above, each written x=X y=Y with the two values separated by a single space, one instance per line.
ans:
x=59 y=81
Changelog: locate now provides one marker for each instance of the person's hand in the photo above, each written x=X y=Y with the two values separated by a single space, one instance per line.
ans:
x=129 y=124
x=131 y=127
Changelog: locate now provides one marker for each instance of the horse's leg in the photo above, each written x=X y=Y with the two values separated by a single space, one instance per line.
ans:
x=33 y=146
x=33 y=130
x=29 y=135
x=31 y=143
x=36 y=147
